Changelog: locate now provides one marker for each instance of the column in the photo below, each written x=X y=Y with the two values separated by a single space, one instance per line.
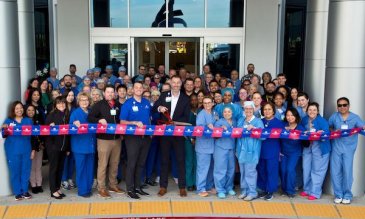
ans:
x=26 y=42
x=315 y=50
x=10 y=78
x=345 y=69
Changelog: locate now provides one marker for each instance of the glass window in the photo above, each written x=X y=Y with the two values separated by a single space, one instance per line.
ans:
x=223 y=57
x=147 y=13
x=110 y=13
x=186 y=13
x=224 y=13
x=183 y=54
x=111 y=54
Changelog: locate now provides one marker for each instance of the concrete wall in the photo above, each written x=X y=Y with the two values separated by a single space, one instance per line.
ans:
x=261 y=35
x=73 y=41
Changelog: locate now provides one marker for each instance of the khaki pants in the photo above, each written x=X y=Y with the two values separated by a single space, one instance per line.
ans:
x=36 y=173
x=108 y=155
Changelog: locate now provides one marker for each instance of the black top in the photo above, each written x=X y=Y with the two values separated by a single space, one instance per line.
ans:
x=182 y=110
x=57 y=142
x=102 y=110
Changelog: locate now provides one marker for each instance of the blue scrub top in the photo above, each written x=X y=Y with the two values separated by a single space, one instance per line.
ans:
x=15 y=145
x=204 y=144
x=319 y=123
x=83 y=143
x=270 y=147
x=225 y=143
x=237 y=110
x=336 y=122
x=291 y=146
x=132 y=110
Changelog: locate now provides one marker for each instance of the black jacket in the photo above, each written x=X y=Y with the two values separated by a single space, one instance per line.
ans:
x=182 y=110
x=57 y=142
x=101 y=110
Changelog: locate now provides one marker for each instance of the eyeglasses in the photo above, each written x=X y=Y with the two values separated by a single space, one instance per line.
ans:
x=342 y=105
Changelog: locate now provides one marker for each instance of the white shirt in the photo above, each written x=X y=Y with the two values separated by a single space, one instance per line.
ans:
x=174 y=100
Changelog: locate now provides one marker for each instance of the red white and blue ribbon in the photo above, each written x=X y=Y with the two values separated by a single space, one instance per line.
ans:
x=170 y=130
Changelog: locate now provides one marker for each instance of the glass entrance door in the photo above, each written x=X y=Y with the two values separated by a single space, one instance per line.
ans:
x=171 y=52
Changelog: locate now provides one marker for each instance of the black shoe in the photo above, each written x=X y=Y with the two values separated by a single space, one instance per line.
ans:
x=291 y=195
x=144 y=186
x=35 y=190
x=40 y=189
x=119 y=180
x=262 y=194
x=150 y=182
x=56 y=197
x=26 y=195
x=18 y=197
x=269 y=196
x=190 y=188
x=133 y=195
x=62 y=195
x=141 y=192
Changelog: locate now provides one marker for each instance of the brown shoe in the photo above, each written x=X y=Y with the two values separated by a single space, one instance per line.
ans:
x=103 y=193
x=183 y=193
x=117 y=190
x=162 y=192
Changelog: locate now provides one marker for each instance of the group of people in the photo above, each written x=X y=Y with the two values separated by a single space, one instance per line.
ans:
x=207 y=165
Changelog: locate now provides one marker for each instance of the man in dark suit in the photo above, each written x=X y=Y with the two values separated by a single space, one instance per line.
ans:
x=177 y=105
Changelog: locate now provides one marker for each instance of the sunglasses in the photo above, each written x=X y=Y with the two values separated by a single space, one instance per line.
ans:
x=342 y=105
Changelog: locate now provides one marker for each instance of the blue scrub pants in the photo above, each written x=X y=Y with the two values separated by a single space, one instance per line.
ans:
x=315 y=167
x=288 y=171
x=20 y=166
x=268 y=174
x=248 y=179
x=204 y=172
x=68 y=168
x=341 y=172
x=84 y=173
x=224 y=166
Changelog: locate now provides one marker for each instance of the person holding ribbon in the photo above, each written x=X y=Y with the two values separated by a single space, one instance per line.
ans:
x=291 y=151
x=224 y=160
x=108 y=145
x=83 y=147
x=204 y=149
x=248 y=153
x=174 y=107
x=343 y=150
x=136 y=111
x=18 y=152
x=316 y=155
x=58 y=146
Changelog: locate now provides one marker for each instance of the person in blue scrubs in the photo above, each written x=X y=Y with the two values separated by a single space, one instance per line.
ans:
x=204 y=148
x=227 y=100
x=224 y=162
x=316 y=155
x=83 y=147
x=280 y=107
x=248 y=153
x=268 y=167
x=343 y=150
x=291 y=151
x=18 y=152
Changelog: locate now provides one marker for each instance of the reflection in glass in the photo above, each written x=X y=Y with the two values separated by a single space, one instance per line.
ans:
x=186 y=13
x=111 y=54
x=110 y=13
x=183 y=54
x=144 y=12
x=223 y=57
x=150 y=53
x=224 y=13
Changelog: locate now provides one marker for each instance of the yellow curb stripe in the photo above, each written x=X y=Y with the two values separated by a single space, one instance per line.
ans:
x=232 y=207
x=191 y=207
x=273 y=208
x=109 y=208
x=27 y=211
x=316 y=210
x=69 y=209
x=151 y=207
x=352 y=212
x=2 y=210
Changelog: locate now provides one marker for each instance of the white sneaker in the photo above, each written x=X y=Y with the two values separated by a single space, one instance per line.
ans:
x=337 y=200
x=157 y=180
x=95 y=184
x=65 y=185
x=71 y=183
x=346 y=201
x=249 y=198
x=242 y=196
x=176 y=180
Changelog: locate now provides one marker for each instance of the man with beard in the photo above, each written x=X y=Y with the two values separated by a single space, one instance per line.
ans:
x=269 y=92
x=250 y=72
x=67 y=79
x=72 y=71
